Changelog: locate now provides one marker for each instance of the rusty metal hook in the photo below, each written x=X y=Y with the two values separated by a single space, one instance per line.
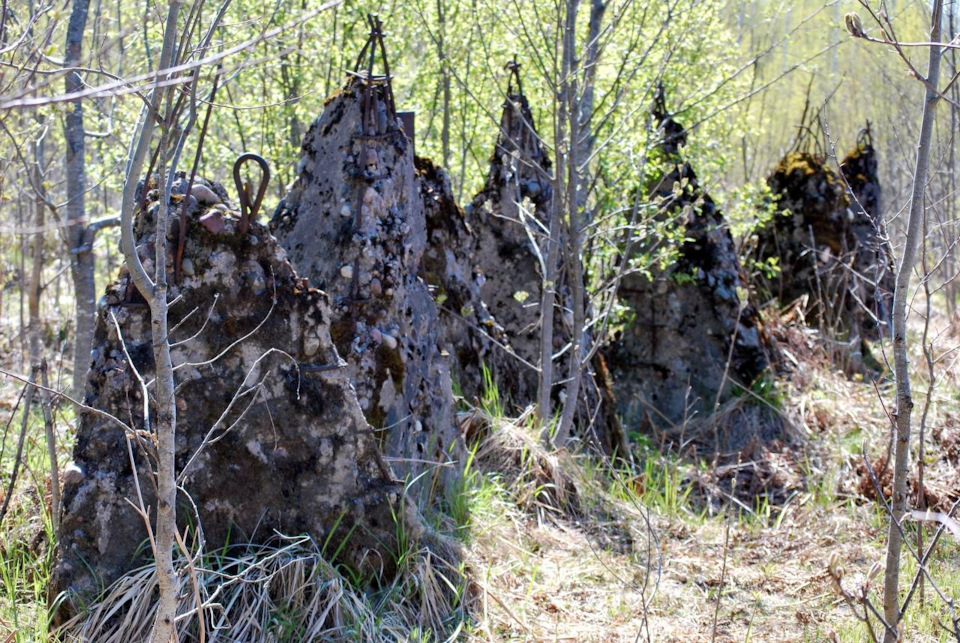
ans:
x=249 y=211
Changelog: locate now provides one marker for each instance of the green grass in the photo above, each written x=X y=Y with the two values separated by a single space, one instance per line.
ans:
x=663 y=486
x=923 y=619
x=459 y=496
x=490 y=400
x=477 y=502
x=661 y=482
x=25 y=573
x=27 y=536
x=766 y=390
x=483 y=510
x=944 y=566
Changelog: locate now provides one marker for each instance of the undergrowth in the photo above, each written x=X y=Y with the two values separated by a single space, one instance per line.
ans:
x=27 y=533
x=556 y=543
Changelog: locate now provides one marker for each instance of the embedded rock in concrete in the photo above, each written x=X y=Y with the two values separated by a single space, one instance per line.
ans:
x=688 y=322
x=270 y=437
x=353 y=223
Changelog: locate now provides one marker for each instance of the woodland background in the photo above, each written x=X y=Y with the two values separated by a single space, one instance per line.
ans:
x=749 y=80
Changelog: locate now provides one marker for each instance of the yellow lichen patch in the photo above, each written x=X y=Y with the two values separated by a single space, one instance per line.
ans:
x=856 y=152
x=802 y=162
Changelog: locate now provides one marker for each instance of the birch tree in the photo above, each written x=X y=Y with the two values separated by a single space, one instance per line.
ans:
x=80 y=234
x=901 y=361
x=154 y=291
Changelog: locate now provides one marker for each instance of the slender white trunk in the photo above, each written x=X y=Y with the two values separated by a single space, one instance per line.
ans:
x=901 y=363
x=51 y=435
x=571 y=201
x=155 y=292
x=552 y=271
x=585 y=108
x=445 y=80
x=36 y=268
x=166 y=428
x=78 y=245
x=547 y=299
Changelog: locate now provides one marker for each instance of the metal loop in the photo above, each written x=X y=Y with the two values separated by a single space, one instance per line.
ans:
x=249 y=212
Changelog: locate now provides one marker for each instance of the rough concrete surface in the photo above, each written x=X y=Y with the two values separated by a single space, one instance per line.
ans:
x=270 y=436
x=689 y=335
x=353 y=223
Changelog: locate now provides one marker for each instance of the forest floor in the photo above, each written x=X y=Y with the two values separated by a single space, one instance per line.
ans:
x=680 y=548
x=731 y=565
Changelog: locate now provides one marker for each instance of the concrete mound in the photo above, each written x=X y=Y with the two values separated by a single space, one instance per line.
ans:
x=270 y=436
x=690 y=335
x=809 y=233
x=829 y=246
x=872 y=262
x=353 y=223
x=508 y=220
x=485 y=266
x=470 y=334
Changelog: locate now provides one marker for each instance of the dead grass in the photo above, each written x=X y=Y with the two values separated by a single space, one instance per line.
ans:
x=563 y=548
x=789 y=507
x=284 y=592
x=541 y=481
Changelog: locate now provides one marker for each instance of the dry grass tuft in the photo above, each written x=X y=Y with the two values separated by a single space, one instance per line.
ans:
x=758 y=473
x=283 y=592
x=941 y=485
x=542 y=481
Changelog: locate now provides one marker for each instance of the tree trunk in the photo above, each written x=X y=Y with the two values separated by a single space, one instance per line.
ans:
x=165 y=392
x=51 y=435
x=571 y=201
x=575 y=373
x=585 y=135
x=156 y=296
x=166 y=427
x=552 y=268
x=36 y=268
x=80 y=252
x=901 y=362
x=546 y=313
x=445 y=80
x=951 y=288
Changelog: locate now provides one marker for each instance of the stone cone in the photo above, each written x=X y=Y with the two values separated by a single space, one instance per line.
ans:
x=270 y=436
x=485 y=270
x=353 y=223
x=686 y=323
x=872 y=264
x=508 y=222
x=827 y=237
